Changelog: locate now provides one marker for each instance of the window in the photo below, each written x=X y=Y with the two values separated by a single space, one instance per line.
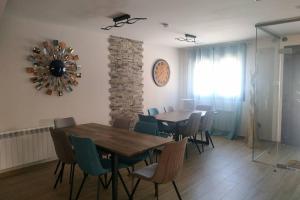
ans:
x=222 y=77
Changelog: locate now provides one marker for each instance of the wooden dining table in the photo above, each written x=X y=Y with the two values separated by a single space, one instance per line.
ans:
x=176 y=118
x=117 y=142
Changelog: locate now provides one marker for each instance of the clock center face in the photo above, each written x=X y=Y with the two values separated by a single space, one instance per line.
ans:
x=161 y=72
x=57 y=68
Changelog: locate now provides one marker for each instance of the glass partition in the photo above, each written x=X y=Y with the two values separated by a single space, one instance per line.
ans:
x=276 y=138
x=266 y=93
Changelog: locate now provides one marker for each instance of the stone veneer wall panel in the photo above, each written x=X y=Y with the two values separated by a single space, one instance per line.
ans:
x=126 y=78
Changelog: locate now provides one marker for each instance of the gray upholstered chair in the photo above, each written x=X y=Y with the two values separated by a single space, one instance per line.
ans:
x=166 y=170
x=191 y=129
x=206 y=128
x=65 y=154
x=63 y=123
x=204 y=107
x=206 y=124
x=169 y=109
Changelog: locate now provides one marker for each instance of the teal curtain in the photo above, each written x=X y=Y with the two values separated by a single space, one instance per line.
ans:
x=218 y=80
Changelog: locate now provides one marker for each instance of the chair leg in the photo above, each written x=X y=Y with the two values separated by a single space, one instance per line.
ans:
x=106 y=183
x=62 y=172
x=123 y=183
x=72 y=180
x=202 y=145
x=57 y=166
x=70 y=175
x=105 y=179
x=186 y=151
x=208 y=135
x=128 y=170
x=98 y=187
x=102 y=183
x=156 y=190
x=134 y=189
x=195 y=142
x=146 y=162
x=151 y=155
x=176 y=189
x=81 y=185
x=59 y=176
x=56 y=181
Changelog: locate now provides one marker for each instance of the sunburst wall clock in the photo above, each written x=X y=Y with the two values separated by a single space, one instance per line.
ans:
x=55 y=67
x=161 y=72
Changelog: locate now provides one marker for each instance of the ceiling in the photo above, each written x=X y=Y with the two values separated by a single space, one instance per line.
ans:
x=212 y=21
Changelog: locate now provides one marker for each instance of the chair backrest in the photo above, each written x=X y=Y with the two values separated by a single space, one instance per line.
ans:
x=193 y=125
x=62 y=145
x=123 y=123
x=170 y=162
x=153 y=111
x=169 y=109
x=207 y=122
x=204 y=107
x=147 y=118
x=150 y=128
x=87 y=156
x=64 y=122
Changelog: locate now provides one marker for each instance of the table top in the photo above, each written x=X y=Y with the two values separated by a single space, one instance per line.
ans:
x=119 y=141
x=177 y=116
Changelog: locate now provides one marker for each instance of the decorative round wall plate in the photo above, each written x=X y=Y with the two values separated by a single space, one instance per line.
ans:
x=54 y=67
x=161 y=72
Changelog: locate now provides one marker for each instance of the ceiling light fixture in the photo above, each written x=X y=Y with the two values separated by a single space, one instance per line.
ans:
x=187 y=38
x=164 y=24
x=121 y=20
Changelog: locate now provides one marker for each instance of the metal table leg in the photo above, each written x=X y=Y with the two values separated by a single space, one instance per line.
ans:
x=114 y=173
x=176 y=132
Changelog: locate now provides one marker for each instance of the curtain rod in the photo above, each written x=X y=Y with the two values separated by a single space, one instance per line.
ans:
x=246 y=41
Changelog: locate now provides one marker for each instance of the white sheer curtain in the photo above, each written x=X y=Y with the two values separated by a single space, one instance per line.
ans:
x=214 y=76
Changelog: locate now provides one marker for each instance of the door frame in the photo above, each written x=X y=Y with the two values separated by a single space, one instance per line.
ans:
x=292 y=41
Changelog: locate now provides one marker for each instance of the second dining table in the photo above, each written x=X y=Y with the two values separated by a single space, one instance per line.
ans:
x=177 y=117
x=117 y=142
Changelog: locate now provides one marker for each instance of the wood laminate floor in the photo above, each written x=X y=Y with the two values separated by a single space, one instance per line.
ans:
x=276 y=153
x=223 y=173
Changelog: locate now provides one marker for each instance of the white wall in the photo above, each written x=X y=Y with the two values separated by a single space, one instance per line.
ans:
x=2 y=6
x=21 y=106
x=153 y=94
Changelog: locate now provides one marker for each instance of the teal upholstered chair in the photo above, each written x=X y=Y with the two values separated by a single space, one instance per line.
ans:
x=147 y=118
x=90 y=163
x=144 y=128
x=150 y=127
x=153 y=111
x=147 y=127
x=164 y=128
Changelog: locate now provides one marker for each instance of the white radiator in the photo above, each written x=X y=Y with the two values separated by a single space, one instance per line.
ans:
x=24 y=147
